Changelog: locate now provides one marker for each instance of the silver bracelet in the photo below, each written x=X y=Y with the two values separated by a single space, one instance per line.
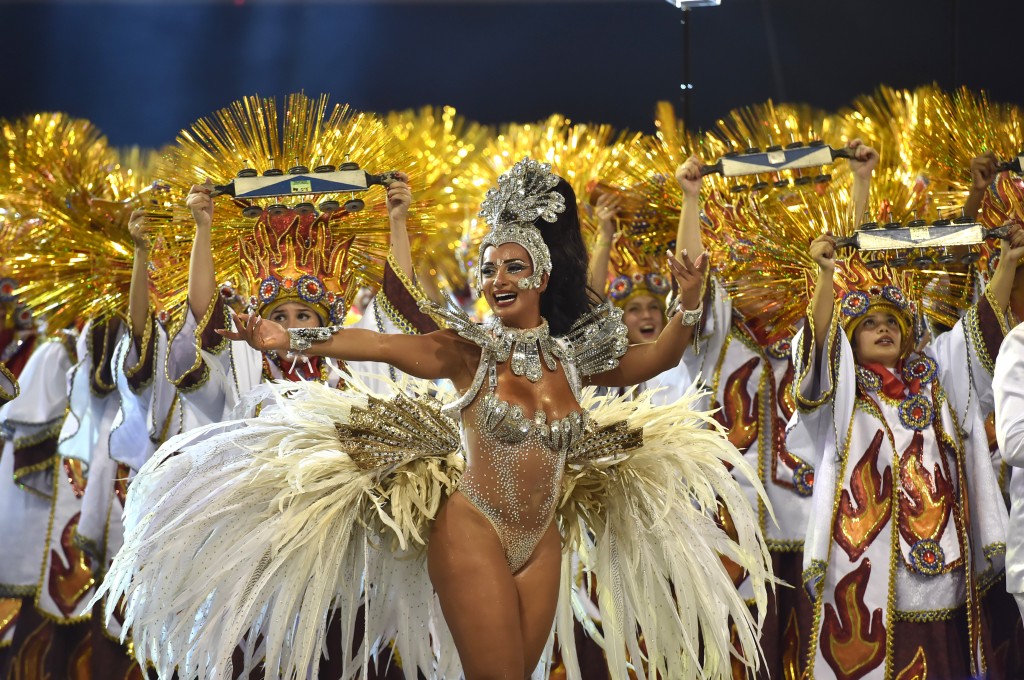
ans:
x=301 y=339
x=692 y=316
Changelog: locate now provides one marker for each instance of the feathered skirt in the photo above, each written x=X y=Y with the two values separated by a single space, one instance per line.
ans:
x=256 y=532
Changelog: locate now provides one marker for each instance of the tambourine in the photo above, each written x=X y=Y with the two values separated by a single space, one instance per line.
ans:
x=917 y=237
x=298 y=181
x=775 y=159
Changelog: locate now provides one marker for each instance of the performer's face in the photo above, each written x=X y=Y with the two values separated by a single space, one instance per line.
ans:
x=643 y=318
x=295 y=315
x=877 y=339
x=502 y=269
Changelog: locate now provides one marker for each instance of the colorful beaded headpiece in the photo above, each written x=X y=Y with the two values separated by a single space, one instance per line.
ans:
x=625 y=287
x=523 y=195
x=867 y=290
x=293 y=257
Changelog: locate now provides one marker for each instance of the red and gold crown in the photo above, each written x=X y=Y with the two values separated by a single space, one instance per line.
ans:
x=863 y=289
x=292 y=257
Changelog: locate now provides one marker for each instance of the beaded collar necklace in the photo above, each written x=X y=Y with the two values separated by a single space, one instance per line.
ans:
x=525 y=347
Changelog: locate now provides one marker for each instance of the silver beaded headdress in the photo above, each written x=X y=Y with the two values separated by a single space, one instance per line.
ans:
x=524 y=194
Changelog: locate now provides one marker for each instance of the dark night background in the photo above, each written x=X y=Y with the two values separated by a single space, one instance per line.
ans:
x=143 y=70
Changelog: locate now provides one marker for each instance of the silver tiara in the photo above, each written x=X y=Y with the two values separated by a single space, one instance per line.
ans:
x=524 y=194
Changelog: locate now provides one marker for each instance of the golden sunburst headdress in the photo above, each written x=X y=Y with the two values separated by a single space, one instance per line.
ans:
x=290 y=251
x=762 y=258
x=66 y=197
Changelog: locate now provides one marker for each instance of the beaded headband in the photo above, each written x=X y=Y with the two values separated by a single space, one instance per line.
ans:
x=523 y=195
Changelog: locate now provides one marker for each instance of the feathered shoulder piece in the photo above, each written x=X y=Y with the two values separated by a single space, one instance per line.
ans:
x=593 y=344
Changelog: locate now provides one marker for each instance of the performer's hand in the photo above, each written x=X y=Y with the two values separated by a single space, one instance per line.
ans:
x=983 y=170
x=689 y=277
x=688 y=176
x=823 y=251
x=1013 y=246
x=865 y=158
x=139 y=230
x=606 y=210
x=399 y=197
x=262 y=334
x=200 y=202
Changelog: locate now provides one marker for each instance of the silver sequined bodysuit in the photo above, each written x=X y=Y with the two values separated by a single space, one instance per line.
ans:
x=514 y=464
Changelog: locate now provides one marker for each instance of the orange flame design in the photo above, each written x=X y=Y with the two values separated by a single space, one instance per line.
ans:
x=71 y=575
x=872 y=492
x=739 y=413
x=791 y=649
x=80 y=664
x=787 y=403
x=30 y=662
x=852 y=638
x=924 y=507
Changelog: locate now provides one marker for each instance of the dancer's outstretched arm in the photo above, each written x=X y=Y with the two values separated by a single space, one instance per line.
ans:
x=437 y=355
x=983 y=173
x=688 y=236
x=864 y=161
x=644 y=361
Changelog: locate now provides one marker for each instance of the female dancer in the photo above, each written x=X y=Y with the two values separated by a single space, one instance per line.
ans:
x=494 y=553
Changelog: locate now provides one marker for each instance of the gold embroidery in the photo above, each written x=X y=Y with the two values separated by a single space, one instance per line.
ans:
x=917 y=669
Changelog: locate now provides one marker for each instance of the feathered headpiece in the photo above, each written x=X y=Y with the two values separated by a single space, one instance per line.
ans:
x=524 y=195
x=332 y=254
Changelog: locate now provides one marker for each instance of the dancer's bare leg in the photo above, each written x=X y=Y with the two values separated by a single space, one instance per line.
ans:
x=537 y=583
x=478 y=594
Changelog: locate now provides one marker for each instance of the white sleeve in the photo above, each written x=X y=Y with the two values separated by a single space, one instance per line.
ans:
x=1008 y=388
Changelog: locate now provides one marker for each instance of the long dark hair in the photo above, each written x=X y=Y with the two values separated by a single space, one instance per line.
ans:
x=568 y=295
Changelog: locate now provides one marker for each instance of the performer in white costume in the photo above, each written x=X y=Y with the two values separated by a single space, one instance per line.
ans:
x=637 y=287
x=258 y=529
x=909 y=526
x=1008 y=387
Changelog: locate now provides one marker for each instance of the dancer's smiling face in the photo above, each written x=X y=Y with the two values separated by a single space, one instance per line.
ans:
x=502 y=269
x=644 y=318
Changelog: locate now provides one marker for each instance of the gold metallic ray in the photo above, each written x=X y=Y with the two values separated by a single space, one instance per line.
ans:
x=66 y=197
x=959 y=126
x=582 y=153
x=760 y=252
x=444 y=149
